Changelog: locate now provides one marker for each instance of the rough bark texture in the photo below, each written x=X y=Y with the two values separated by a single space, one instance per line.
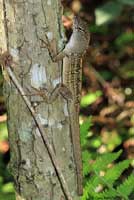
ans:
x=35 y=178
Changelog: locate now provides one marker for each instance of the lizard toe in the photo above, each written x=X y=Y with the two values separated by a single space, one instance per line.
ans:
x=65 y=92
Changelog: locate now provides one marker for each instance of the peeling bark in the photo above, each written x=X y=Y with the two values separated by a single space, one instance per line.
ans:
x=35 y=178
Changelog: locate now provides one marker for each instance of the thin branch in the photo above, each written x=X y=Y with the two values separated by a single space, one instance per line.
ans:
x=50 y=151
x=109 y=90
x=99 y=77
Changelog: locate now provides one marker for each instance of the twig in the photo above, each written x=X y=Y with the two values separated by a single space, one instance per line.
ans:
x=109 y=90
x=124 y=114
x=99 y=77
x=103 y=120
x=109 y=110
x=50 y=151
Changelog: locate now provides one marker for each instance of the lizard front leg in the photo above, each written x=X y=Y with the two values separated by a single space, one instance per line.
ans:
x=61 y=88
x=51 y=47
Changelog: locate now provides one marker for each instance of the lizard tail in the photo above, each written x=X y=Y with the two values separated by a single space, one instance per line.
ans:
x=75 y=133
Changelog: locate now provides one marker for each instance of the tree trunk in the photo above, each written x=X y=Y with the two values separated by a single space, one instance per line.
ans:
x=27 y=24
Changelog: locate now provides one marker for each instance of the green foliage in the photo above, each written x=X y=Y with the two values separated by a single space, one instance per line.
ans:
x=127 y=2
x=6 y=190
x=114 y=172
x=127 y=70
x=7 y=196
x=97 y=29
x=111 y=139
x=3 y=131
x=108 y=12
x=105 y=178
x=84 y=131
x=126 y=187
x=107 y=75
x=124 y=39
x=90 y=98
x=6 y=186
x=86 y=157
x=102 y=161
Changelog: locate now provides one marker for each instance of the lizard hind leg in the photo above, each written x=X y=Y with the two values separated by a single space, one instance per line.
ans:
x=62 y=90
x=51 y=47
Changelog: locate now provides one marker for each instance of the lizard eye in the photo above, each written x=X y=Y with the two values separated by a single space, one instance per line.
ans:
x=81 y=29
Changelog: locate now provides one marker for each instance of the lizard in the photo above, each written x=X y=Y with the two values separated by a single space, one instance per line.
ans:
x=70 y=87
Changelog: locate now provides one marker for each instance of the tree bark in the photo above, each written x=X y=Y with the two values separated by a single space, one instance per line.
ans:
x=27 y=23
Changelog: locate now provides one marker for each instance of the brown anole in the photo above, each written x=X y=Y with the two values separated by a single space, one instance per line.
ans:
x=70 y=88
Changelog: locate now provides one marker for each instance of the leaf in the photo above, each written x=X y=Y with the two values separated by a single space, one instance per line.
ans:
x=89 y=189
x=86 y=156
x=127 y=70
x=114 y=173
x=1 y=182
x=103 y=30
x=107 y=75
x=102 y=162
x=108 y=12
x=84 y=131
x=107 y=194
x=7 y=197
x=84 y=127
x=100 y=185
x=3 y=131
x=127 y=186
x=8 y=188
x=90 y=98
x=95 y=142
x=124 y=38
x=127 y=2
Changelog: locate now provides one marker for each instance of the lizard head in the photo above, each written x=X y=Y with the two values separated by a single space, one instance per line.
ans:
x=80 y=24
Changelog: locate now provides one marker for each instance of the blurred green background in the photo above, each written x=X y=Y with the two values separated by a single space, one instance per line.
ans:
x=107 y=104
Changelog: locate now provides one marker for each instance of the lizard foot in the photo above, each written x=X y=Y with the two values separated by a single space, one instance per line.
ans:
x=64 y=91
x=51 y=47
x=42 y=92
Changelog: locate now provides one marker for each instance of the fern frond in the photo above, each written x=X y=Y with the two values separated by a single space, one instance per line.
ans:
x=107 y=194
x=84 y=131
x=86 y=157
x=90 y=187
x=127 y=187
x=102 y=162
x=114 y=173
